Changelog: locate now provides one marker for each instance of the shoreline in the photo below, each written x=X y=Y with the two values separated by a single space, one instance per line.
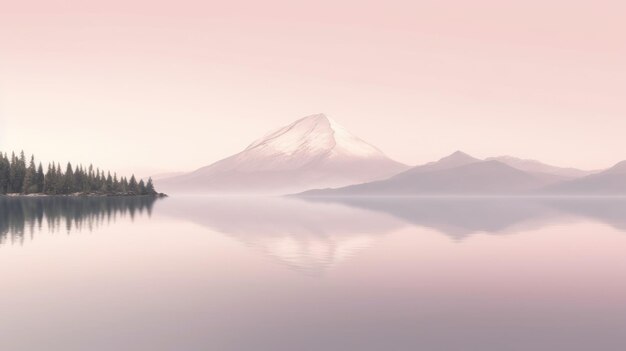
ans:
x=158 y=195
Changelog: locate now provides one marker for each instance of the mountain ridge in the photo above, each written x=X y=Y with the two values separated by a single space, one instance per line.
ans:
x=456 y=174
x=611 y=182
x=530 y=165
x=311 y=152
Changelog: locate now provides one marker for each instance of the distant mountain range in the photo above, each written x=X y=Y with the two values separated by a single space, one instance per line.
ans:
x=317 y=153
x=609 y=182
x=457 y=174
x=461 y=174
x=536 y=166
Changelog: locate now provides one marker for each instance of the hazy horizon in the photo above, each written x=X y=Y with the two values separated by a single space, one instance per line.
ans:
x=334 y=181
x=151 y=87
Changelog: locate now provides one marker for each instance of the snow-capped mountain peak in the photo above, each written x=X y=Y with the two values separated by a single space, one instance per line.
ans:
x=314 y=151
x=312 y=136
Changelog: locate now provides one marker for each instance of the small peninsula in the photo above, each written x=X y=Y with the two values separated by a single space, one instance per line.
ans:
x=19 y=178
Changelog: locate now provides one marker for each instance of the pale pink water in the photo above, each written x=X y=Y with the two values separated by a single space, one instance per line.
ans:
x=274 y=274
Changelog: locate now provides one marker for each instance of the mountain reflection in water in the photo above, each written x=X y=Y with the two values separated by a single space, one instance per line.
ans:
x=283 y=274
x=310 y=236
x=313 y=235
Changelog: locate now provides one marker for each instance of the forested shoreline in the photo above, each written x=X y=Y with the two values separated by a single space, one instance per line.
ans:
x=19 y=176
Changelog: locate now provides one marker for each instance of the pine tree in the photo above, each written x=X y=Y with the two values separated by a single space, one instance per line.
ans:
x=18 y=177
x=68 y=180
x=109 y=183
x=14 y=184
x=5 y=172
x=141 y=188
x=132 y=185
x=28 y=184
x=124 y=185
x=39 y=179
x=48 y=184
x=78 y=179
x=20 y=173
x=59 y=180
x=98 y=180
x=116 y=183
x=150 y=187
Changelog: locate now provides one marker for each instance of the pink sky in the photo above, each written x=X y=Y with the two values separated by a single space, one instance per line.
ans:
x=156 y=86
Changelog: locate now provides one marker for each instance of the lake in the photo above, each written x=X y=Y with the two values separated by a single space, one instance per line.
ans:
x=200 y=273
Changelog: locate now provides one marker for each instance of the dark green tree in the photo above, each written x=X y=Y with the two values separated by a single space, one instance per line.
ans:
x=29 y=184
x=150 y=188
x=133 y=187
x=141 y=187
x=68 y=180
x=39 y=179
x=18 y=177
x=5 y=173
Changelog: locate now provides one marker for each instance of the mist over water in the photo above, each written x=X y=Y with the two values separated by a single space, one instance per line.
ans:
x=198 y=273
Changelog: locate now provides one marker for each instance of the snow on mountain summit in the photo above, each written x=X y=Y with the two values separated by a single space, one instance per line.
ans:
x=312 y=152
x=313 y=135
x=302 y=142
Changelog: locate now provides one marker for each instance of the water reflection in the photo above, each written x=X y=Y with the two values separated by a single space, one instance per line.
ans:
x=307 y=237
x=313 y=235
x=611 y=211
x=183 y=281
x=461 y=217
x=26 y=215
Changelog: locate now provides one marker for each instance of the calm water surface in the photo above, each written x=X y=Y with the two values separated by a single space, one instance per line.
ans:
x=286 y=274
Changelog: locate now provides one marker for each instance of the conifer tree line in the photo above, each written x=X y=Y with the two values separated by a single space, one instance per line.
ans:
x=17 y=175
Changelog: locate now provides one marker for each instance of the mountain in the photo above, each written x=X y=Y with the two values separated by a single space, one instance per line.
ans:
x=610 y=182
x=456 y=159
x=312 y=152
x=457 y=174
x=536 y=166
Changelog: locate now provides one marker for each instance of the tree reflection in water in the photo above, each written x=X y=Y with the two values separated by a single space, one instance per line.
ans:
x=20 y=216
